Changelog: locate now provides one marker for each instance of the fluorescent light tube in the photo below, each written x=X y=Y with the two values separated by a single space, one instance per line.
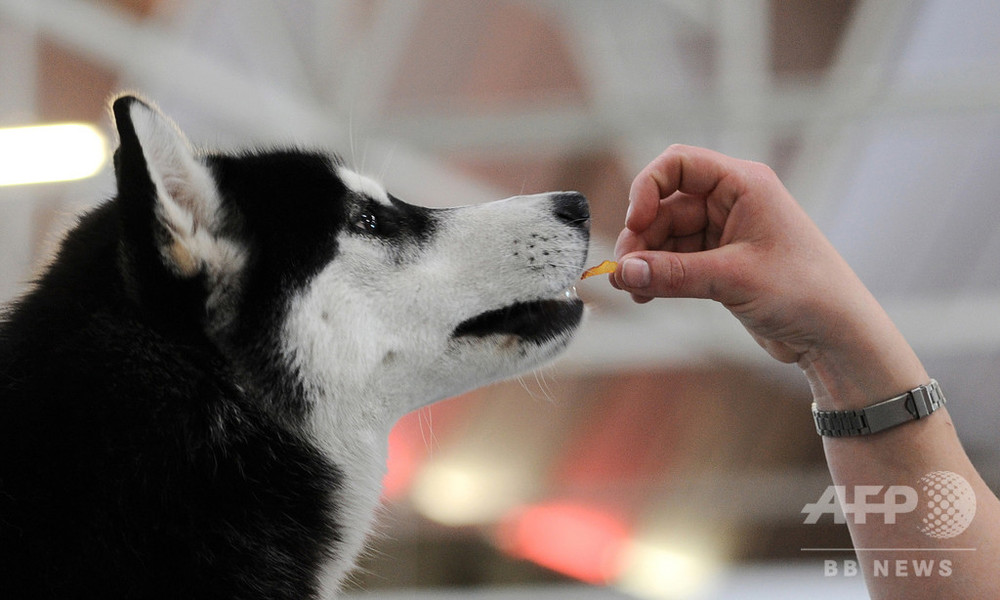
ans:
x=44 y=153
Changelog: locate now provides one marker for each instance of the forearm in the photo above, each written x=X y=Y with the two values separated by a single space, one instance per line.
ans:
x=899 y=559
x=891 y=555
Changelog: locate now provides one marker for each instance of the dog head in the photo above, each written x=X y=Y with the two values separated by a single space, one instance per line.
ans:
x=311 y=277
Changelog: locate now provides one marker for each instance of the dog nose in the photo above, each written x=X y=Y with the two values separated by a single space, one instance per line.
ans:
x=572 y=208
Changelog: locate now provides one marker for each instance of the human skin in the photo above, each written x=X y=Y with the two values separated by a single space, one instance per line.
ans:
x=703 y=225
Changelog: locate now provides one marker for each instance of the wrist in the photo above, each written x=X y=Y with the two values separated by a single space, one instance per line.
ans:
x=836 y=387
x=863 y=366
x=918 y=403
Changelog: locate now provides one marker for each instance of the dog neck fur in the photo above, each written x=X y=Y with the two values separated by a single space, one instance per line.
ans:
x=348 y=419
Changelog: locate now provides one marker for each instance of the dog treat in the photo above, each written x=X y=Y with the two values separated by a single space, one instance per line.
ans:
x=607 y=266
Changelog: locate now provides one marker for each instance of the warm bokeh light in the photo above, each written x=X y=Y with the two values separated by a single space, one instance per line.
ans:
x=48 y=153
x=459 y=491
x=578 y=541
x=665 y=571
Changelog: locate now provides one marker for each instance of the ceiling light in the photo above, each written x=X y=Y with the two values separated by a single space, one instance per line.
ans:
x=47 y=153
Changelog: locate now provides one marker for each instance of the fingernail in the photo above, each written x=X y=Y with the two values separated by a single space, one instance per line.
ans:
x=635 y=273
x=628 y=213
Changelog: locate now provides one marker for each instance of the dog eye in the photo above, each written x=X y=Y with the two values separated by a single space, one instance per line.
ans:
x=367 y=222
x=377 y=221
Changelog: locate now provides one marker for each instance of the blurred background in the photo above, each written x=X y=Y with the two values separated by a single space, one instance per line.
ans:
x=665 y=456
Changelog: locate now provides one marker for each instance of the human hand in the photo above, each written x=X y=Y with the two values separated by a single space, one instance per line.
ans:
x=704 y=225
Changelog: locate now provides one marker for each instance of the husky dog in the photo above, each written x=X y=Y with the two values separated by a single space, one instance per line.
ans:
x=196 y=395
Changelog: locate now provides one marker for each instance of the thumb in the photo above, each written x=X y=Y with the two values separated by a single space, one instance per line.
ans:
x=648 y=274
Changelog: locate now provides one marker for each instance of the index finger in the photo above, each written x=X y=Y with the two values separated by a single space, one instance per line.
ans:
x=696 y=171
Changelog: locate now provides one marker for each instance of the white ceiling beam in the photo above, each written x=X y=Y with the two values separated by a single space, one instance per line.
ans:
x=784 y=109
x=419 y=178
x=743 y=79
x=525 y=129
x=628 y=60
x=683 y=332
x=663 y=333
x=368 y=77
x=697 y=11
x=19 y=68
x=269 y=41
x=599 y=47
x=153 y=59
x=149 y=56
x=331 y=28
x=850 y=88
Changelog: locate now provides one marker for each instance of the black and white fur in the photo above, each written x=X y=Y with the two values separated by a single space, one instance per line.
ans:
x=195 y=397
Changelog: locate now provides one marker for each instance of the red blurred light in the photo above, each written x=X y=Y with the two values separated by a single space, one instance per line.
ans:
x=412 y=439
x=404 y=460
x=578 y=541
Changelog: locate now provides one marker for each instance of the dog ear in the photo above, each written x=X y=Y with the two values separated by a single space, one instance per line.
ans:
x=170 y=194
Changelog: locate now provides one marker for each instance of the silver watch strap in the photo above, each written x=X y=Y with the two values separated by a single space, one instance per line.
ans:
x=915 y=404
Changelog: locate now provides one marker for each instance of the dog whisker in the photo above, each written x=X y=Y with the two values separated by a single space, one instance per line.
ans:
x=387 y=160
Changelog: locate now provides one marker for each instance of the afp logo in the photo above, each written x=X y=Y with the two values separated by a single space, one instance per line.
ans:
x=949 y=504
x=944 y=500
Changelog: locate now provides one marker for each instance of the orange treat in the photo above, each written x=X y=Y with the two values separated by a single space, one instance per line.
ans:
x=607 y=266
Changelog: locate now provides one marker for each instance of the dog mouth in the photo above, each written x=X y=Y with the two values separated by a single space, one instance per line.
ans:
x=535 y=320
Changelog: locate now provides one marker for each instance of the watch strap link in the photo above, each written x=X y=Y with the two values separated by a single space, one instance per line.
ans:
x=915 y=404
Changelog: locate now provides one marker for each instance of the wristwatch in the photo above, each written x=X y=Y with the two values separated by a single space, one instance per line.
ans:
x=915 y=404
